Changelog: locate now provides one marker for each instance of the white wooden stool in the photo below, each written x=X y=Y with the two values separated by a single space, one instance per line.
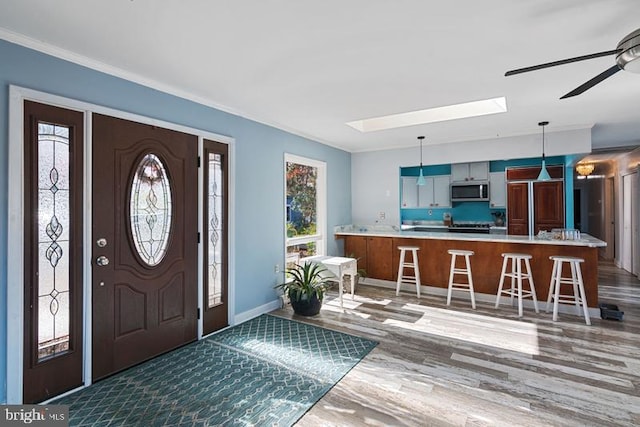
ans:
x=467 y=287
x=518 y=275
x=578 y=297
x=402 y=278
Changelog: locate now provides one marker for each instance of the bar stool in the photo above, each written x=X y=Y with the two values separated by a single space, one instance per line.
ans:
x=402 y=278
x=517 y=277
x=467 y=287
x=578 y=297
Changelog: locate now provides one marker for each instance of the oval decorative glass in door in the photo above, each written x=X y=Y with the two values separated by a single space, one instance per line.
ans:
x=150 y=209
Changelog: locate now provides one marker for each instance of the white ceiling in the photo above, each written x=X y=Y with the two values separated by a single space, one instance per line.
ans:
x=310 y=67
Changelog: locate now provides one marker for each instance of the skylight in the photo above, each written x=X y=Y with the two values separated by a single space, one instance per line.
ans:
x=432 y=115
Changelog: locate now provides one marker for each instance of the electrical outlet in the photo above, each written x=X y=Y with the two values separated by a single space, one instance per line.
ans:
x=430 y=212
x=382 y=215
x=276 y=268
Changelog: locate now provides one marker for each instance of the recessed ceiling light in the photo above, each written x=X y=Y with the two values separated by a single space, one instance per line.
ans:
x=432 y=115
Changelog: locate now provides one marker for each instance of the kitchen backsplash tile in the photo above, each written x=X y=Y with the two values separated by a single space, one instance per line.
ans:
x=463 y=211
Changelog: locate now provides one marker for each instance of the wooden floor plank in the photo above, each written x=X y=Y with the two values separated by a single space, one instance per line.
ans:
x=454 y=366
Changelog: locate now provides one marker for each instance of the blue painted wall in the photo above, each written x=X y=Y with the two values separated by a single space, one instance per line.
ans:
x=260 y=152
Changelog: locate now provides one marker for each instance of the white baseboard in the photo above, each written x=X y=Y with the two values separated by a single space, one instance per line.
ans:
x=255 y=312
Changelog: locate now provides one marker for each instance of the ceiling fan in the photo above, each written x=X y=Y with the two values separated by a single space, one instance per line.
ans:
x=627 y=58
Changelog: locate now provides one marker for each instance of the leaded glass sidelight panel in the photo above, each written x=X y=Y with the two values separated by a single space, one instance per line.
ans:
x=53 y=209
x=215 y=236
x=150 y=210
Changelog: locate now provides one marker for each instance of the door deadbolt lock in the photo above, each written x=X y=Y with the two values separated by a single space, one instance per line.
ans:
x=102 y=261
x=101 y=242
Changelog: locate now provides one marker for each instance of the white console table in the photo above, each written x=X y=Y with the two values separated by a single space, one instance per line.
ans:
x=338 y=267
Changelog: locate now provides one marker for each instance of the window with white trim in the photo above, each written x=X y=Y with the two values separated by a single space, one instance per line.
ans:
x=305 y=207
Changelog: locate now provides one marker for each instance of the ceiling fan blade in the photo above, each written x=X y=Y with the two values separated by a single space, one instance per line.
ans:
x=561 y=62
x=594 y=81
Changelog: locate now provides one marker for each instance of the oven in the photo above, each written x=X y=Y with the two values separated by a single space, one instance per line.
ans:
x=470 y=228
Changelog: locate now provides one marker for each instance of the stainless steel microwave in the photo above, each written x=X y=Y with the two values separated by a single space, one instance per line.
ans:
x=470 y=191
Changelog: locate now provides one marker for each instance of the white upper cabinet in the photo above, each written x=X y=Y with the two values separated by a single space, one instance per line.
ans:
x=476 y=171
x=441 y=190
x=497 y=190
x=435 y=193
x=409 y=197
x=425 y=193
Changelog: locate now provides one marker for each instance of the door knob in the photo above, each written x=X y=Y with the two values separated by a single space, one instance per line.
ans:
x=102 y=261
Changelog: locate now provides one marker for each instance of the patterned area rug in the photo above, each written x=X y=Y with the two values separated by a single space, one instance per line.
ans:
x=267 y=371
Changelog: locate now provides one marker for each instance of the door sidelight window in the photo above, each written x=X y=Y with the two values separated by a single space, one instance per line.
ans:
x=53 y=239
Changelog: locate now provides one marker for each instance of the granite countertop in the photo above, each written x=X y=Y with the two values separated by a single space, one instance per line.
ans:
x=394 y=231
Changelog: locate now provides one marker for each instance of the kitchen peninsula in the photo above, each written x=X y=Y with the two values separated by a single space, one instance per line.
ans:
x=376 y=249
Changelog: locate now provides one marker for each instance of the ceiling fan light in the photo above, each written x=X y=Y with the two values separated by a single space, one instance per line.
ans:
x=629 y=57
x=633 y=65
x=585 y=169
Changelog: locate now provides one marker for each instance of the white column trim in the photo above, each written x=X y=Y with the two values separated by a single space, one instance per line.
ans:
x=15 y=249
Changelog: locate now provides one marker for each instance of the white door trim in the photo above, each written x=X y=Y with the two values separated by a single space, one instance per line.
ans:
x=321 y=204
x=15 y=235
x=628 y=243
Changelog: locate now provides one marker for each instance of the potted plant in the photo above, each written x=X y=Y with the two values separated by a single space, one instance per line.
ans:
x=305 y=286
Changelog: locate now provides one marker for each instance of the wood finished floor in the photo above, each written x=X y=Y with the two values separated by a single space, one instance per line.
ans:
x=454 y=366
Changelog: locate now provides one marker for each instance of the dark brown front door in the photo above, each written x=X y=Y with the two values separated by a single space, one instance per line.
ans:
x=144 y=242
x=53 y=188
x=216 y=179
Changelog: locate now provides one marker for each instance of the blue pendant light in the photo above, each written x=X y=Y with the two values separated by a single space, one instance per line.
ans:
x=421 y=180
x=544 y=174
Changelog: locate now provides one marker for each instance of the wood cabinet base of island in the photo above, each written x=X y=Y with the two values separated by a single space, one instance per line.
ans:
x=486 y=264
